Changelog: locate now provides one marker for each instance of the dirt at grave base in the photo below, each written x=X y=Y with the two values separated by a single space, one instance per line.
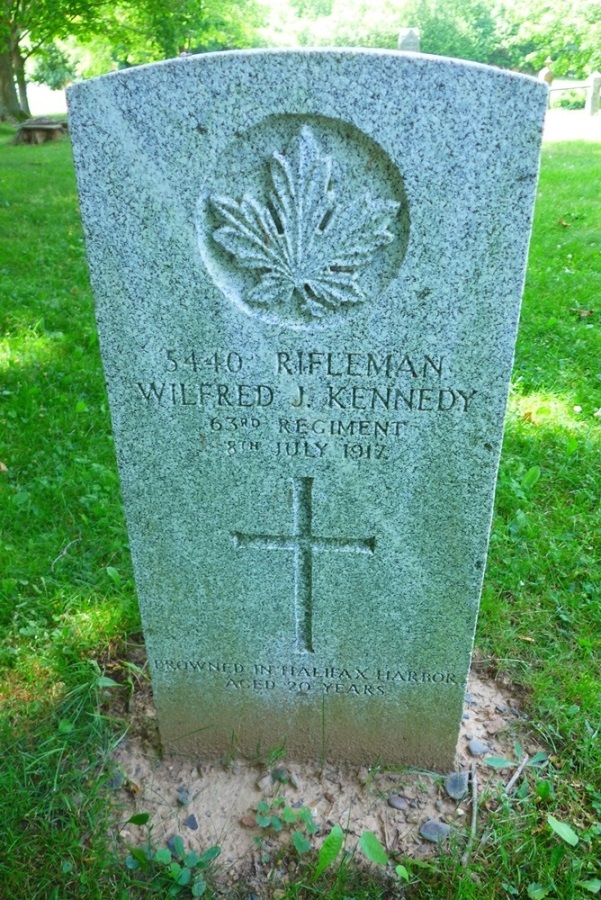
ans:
x=215 y=804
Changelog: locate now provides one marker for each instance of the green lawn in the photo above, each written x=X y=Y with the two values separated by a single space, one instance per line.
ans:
x=67 y=604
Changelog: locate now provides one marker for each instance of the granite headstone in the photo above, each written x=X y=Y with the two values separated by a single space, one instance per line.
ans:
x=409 y=39
x=591 y=104
x=308 y=268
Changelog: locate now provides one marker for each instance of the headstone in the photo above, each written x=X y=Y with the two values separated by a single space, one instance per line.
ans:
x=409 y=39
x=308 y=269
x=591 y=105
x=547 y=74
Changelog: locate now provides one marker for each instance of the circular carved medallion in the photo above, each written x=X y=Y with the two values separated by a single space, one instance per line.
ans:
x=303 y=220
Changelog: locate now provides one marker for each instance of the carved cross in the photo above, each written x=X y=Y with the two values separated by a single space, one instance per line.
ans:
x=303 y=543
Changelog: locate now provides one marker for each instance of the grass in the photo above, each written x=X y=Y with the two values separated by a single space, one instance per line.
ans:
x=67 y=604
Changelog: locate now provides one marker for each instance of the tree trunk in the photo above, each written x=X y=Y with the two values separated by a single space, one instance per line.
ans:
x=9 y=103
x=19 y=70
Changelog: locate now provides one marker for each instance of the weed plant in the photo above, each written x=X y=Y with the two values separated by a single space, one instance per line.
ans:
x=67 y=603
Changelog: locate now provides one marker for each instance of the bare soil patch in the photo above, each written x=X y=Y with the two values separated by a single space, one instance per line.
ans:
x=211 y=804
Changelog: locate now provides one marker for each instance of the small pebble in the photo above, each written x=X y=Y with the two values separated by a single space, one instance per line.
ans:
x=294 y=781
x=469 y=737
x=171 y=843
x=115 y=781
x=495 y=724
x=435 y=831
x=191 y=822
x=439 y=806
x=397 y=802
x=248 y=821
x=183 y=797
x=477 y=748
x=466 y=715
x=281 y=774
x=455 y=785
x=265 y=783
x=329 y=797
x=469 y=698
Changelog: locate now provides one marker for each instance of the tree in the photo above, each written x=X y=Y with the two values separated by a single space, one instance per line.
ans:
x=25 y=27
x=9 y=102
x=568 y=31
x=53 y=67
x=141 y=31
x=136 y=30
x=461 y=28
x=517 y=34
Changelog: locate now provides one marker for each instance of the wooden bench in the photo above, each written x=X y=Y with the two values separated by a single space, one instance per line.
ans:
x=40 y=130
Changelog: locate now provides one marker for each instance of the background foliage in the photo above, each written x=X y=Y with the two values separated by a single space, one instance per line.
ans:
x=518 y=34
x=81 y=38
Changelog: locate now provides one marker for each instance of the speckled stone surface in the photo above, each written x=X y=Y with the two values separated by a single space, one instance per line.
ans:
x=308 y=269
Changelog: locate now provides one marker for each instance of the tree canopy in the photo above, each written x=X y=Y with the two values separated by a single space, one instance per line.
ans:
x=99 y=35
x=122 y=34
x=517 y=34
x=146 y=30
x=26 y=26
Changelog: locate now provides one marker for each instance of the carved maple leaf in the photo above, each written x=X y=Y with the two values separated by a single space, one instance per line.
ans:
x=307 y=250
